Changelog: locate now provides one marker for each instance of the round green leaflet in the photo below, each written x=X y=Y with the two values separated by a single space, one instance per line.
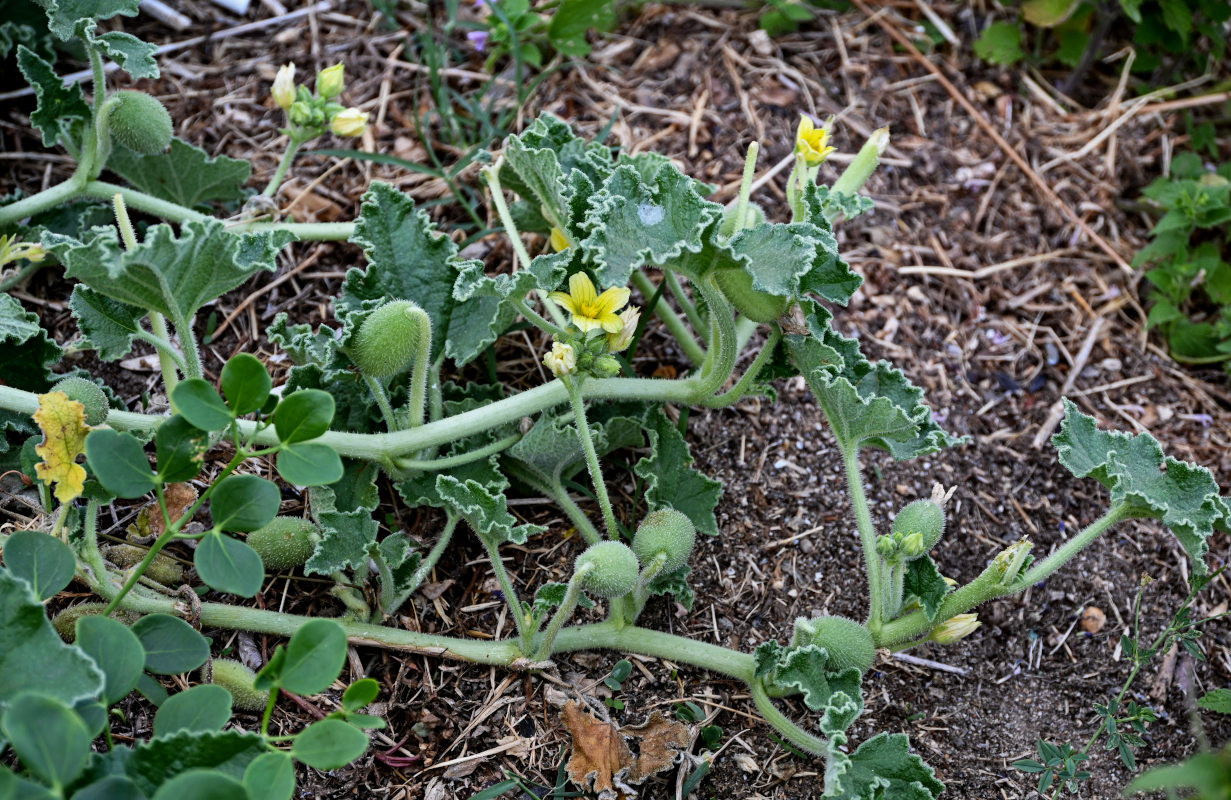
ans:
x=200 y=784
x=202 y=708
x=42 y=561
x=245 y=383
x=270 y=777
x=201 y=405
x=116 y=650
x=244 y=503
x=229 y=565
x=51 y=741
x=304 y=415
x=181 y=448
x=329 y=744
x=172 y=646
x=309 y=464
x=118 y=461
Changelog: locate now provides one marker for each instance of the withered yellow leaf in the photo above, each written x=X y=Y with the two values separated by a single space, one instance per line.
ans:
x=64 y=430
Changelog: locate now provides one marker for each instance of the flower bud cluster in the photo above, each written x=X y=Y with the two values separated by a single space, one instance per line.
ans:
x=596 y=331
x=309 y=114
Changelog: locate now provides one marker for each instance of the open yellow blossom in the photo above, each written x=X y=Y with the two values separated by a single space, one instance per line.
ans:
x=624 y=337
x=811 y=142
x=590 y=309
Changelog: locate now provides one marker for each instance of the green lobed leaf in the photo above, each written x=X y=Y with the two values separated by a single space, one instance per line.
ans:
x=65 y=17
x=51 y=741
x=131 y=54
x=173 y=275
x=116 y=651
x=171 y=645
x=837 y=694
x=108 y=325
x=487 y=514
x=345 y=538
x=114 y=787
x=228 y=565
x=676 y=584
x=329 y=744
x=1218 y=700
x=185 y=174
x=118 y=461
x=408 y=259
x=181 y=449
x=59 y=105
x=1183 y=495
x=866 y=404
x=924 y=581
x=671 y=482
x=632 y=222
x=271 y=777
x=1208 y=773
x=26 y=351
x=573 y=18
x=43 y=561
x=228 y=753
x=1001 y=44
x=882 y=767
x=551 y=165
x=201 y=708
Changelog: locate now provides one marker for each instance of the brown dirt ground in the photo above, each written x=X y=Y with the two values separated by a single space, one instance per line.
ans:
x=991 y=349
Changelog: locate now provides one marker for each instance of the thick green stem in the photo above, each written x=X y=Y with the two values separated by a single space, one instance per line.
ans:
x=571 y=595
x=284 y=166
x=511 y=597
x=535 y=318
x=745 y=187
x=783 y=724
x=915 y=625
x=461 y=459
x=867 y=537
x=188 y=343
x=684 y=301
x=57 y=195
x=380 y=446
x=641 y=594
x=556 y=491
x=748 y=380
x=587 y=445
x=675 y=326
x=720 y=359
x=98 y=149
x=862 y=166
x=420 y=371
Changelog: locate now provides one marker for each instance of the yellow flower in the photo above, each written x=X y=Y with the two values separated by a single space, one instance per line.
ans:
x=351 y=122
x=330 y=82
x=959 y=627
x=811 y=142
x=624 y=337
x=562 y=360
x=591 y=310
x=558 y=240
x=283 y=90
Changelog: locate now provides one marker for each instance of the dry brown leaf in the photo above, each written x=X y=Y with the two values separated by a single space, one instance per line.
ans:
x=602 y=761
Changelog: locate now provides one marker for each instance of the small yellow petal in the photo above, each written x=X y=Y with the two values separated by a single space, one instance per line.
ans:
x=585 y=324
x=611 y=322
x=582 y=289
x=613 y=299
x=564 y=299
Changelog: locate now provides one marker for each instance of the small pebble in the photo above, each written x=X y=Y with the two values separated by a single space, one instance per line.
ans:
x=1093 y=619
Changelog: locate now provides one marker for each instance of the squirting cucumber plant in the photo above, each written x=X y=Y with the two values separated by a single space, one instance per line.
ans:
x=367 y=399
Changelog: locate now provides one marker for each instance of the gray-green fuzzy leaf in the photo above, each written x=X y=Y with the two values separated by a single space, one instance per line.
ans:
x=883 y=767
x=671 y=482
x=345 y=538
x=486 y=513
x=185 y=174
x=58 y=104
x=108 y=325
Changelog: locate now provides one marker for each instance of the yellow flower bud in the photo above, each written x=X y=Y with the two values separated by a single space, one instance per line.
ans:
x=622 y=338
x=959 y=627
x=351 y=122
x=562 y=360
x=329 y=82
x=283 y=90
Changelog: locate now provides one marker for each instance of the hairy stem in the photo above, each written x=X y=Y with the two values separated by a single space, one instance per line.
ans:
x=284 y=166
x=416 y=404
x=524 y=635
x=867 y=537
x=437 y=464
x=675 y=326
x=748 y=380
x=783 y=724
x=684 y=301
x=382 y=402
x=587 y=445
x=571 y=595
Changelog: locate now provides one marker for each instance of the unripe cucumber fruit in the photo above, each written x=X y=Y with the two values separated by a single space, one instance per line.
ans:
x=139 y=122
x=388 y=339
x=285 y=543
x=65 y=622
x=666 y=531
x=89 y=395
x=848 y=643
x=754 y=304
x=238 y=679
x=162 y=569
x=614 y=572
x=925 y=517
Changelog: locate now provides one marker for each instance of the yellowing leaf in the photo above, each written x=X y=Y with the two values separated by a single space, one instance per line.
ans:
x=64 y=430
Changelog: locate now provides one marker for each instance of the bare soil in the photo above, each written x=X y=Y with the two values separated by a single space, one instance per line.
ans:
x=977 y=286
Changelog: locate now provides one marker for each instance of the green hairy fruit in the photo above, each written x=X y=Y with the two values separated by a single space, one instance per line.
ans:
x=388 y=339
x=238 y=680
x=754 y=304
x=924 y=517
x=139 y=122
x=163 y=569
x=614 y=569
x=285 y=543
x=754 y=215
x=666 y=531
x=89 y=395
x=848 y=643
x=65 y=622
